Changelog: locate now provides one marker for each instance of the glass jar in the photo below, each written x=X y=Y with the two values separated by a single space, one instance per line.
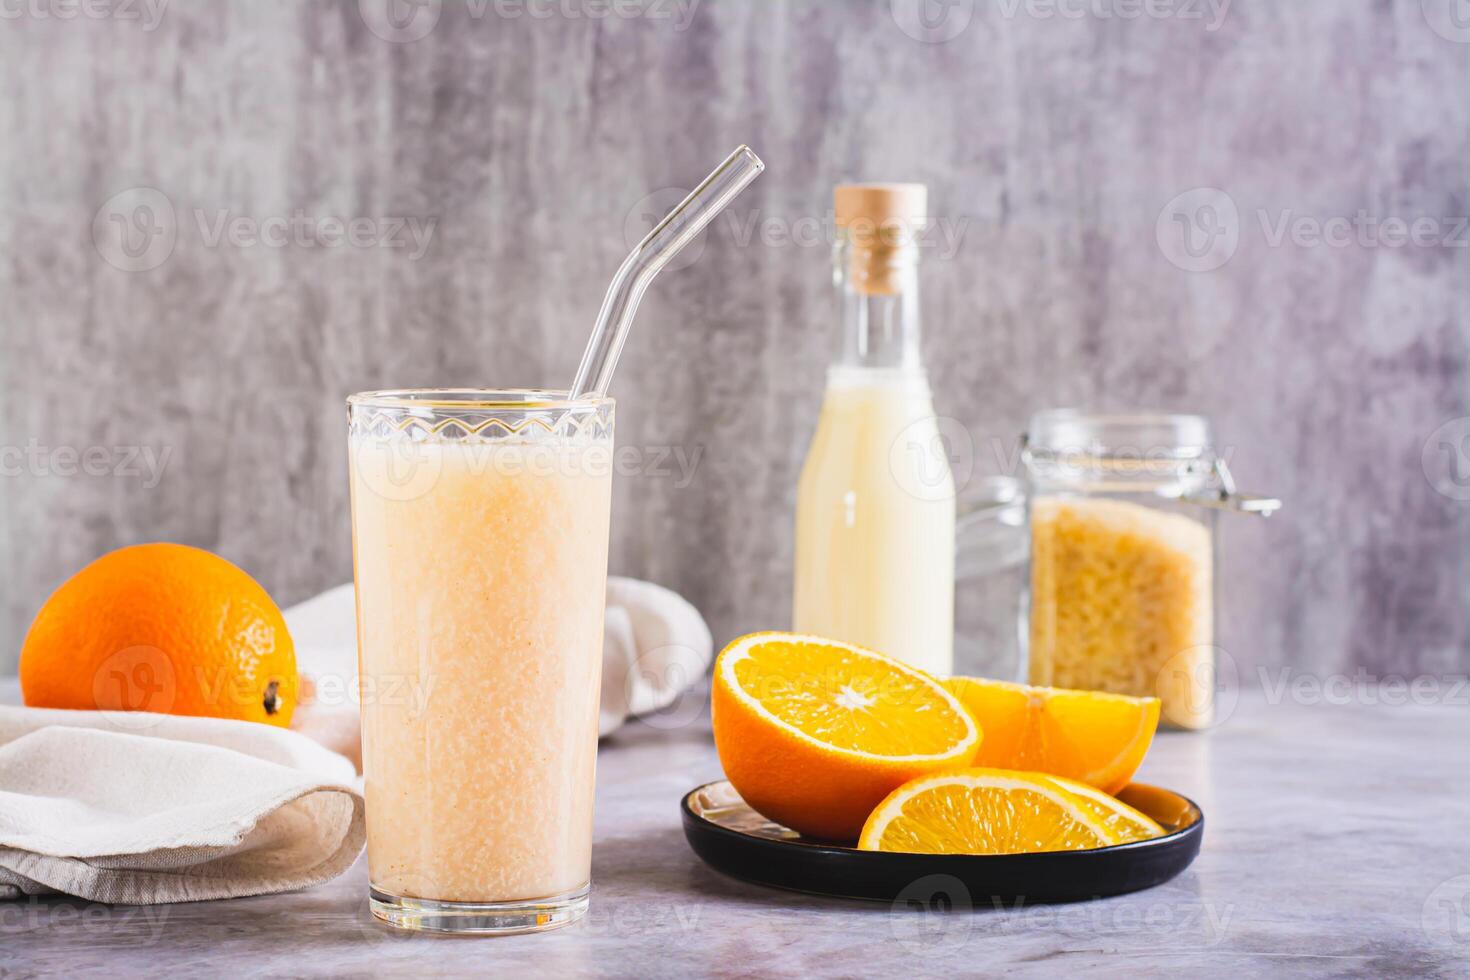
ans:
x=1123 y=515
x=991 y=547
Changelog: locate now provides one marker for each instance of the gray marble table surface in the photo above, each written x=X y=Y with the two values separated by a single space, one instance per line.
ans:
x=1336 y=845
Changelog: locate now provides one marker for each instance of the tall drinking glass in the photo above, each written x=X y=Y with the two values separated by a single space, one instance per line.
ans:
x=479 y=538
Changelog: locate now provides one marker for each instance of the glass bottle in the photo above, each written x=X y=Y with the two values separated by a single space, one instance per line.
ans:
x=875 y=516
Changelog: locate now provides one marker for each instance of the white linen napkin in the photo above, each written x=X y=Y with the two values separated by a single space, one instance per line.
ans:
x=141 y=808
x=655 y=646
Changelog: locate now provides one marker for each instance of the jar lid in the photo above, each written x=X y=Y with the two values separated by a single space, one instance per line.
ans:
x=1170 y=455
x=1142 y=436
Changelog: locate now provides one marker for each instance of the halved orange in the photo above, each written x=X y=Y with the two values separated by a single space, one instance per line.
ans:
x=814 y=733
x=1129 y=824
x=984 y=811
x=1096 y=738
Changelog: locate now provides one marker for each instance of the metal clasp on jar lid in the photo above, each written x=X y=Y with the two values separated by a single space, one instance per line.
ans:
x=1224 y=496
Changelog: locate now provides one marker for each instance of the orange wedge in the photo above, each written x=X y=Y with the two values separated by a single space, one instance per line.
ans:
x=1095 y=738
x=814 y=733
x=1129 y=824
x=984 y=811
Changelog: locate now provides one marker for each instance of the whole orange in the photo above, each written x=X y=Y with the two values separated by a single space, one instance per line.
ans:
x=164 y=628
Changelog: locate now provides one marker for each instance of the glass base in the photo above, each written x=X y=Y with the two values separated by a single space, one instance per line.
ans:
x=480 y=918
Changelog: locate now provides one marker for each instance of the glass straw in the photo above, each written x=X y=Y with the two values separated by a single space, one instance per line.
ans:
x=679 y=228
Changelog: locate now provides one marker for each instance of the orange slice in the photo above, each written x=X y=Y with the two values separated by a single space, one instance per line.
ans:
x=984 y=811
x=814 y=733
x=1096 y=738
x=1129 y=824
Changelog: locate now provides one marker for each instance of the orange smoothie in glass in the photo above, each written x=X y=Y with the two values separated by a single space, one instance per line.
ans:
x=480 y=535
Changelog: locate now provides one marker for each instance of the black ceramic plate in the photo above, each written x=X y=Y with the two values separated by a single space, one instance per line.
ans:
x=733 y=838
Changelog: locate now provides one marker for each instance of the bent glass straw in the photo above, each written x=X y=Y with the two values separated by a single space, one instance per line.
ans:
x=679 y=228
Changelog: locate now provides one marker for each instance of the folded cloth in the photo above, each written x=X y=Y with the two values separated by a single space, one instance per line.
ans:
x=140 y=808
x=655 y=646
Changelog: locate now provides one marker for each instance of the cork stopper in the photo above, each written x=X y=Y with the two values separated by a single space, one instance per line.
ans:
x=881 y=221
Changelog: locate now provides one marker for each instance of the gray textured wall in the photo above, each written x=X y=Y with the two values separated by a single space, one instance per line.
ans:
x=1057 y=141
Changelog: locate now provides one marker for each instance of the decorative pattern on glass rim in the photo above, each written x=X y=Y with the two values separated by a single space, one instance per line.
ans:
x=481 y=425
